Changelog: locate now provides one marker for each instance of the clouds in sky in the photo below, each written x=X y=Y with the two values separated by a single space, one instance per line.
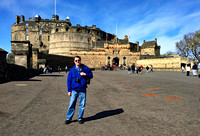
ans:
x=146 y=20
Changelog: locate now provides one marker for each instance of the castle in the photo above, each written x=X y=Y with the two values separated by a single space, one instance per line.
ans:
x=36 y=37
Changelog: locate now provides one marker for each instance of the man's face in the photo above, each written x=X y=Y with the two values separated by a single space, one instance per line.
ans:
x=77 y=61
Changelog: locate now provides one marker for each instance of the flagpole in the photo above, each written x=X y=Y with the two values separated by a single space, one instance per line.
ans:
x=116 y=32
x=55 y=7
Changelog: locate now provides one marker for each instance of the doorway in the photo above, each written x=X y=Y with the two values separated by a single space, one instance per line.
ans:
x=115 y=61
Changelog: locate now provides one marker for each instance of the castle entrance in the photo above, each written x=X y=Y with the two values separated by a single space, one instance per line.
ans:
x=115 y=61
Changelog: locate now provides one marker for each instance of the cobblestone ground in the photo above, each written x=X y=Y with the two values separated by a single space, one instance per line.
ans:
x=118 y=104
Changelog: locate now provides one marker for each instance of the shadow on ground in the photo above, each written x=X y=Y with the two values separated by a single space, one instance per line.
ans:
x=104 y=114
x=52 y=75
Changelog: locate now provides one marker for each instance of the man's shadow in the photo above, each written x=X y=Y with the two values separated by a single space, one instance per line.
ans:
x=104 y=114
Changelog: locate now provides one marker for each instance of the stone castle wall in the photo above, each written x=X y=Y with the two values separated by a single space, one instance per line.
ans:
x=62 y=40
x=164 y=64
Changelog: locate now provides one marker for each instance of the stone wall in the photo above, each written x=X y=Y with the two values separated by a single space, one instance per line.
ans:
x=3 y=64
x=172 y=63
x=10 y=72
x=54 y=61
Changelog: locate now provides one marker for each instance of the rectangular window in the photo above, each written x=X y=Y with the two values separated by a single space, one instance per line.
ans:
x=27 y=31
x=40 y=38
x=41 y=25
x=27 y=37
x=48 y=38
x=40 y=31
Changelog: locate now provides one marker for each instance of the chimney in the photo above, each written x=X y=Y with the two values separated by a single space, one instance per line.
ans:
x=137 y=42
x=94 y=26
x=125 y=37
x=55 y=17
x=17 y=19
x=155 y=40
x=144 y=41
x=22 y=18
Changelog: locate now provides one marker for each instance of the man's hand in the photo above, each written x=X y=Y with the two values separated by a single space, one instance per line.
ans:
x=83 y=74
x=69 y=93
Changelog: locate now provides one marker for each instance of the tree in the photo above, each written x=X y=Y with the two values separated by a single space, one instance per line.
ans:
x=189 y=46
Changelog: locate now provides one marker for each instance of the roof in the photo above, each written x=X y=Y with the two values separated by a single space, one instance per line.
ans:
x=2 y=50
x=123 y=41
x=148 y=44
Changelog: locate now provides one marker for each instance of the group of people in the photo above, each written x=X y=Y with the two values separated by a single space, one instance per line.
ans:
x=188 y=69
x=45 y=69
x=138 y=69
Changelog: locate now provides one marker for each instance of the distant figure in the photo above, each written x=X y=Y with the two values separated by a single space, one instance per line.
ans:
x=129 y=70
x=151 y=68
x=66 y=68
x=147 y=68
x=182 y=68
x=41 y=70
x=137 y=68
x=59 y=69
x=133 y=68
x=194 y=69
x=188 y=70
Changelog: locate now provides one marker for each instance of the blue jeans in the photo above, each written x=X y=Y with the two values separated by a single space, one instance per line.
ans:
x=72 y=104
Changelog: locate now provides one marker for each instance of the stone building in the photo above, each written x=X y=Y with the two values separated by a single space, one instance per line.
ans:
x=35 y=38
x=58 y=37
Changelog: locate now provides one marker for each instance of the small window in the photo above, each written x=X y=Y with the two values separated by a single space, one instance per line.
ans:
x=40 y=38
x=15 y=38
x=41 y=25
x=27 y=24
x=27 y=37
x=52 y=25
x=40 y=31
x=27 y=30
x=48 y=38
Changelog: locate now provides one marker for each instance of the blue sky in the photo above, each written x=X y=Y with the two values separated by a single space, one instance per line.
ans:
x=166 y=20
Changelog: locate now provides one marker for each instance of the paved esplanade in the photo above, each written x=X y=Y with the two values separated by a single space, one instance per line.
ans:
x=118 y=104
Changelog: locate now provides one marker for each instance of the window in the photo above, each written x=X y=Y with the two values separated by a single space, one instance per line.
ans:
x=52 y=26
x=40 y=31
x=40 y=38
x=27 y=37
x=124 y=60
x=27 y=30
x=15 y=38
x=41 y=25
x=48 y=38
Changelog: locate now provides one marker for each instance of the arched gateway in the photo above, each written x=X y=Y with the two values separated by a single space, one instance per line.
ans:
x=115 y=61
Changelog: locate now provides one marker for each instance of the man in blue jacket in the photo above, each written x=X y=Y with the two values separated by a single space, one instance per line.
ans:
x=76 y=84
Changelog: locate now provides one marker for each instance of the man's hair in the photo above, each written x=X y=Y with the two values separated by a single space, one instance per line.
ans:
x=77 y=57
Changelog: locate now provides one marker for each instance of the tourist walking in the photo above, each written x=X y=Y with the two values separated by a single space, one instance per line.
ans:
x=188 y=70
x=133 y=68
x=59 y=69
x=194 y=69
x=147 y=68
x=129 y=70
x=77 y=84
x=151 y=68
x=66 y=68
x=182 y=68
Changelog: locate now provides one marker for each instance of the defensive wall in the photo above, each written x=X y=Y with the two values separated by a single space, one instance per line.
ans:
x=10 y=72
x=171 y=63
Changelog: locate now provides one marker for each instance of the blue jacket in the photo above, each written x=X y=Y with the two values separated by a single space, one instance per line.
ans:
x=73 y=74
